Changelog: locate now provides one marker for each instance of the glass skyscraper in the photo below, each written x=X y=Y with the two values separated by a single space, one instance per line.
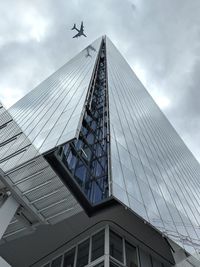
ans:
x=89 y=149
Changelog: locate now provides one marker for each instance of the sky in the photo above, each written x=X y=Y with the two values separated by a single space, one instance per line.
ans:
x=159 y=39
x=3 y=263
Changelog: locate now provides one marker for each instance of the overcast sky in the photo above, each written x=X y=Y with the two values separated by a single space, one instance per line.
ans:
x=159 y=38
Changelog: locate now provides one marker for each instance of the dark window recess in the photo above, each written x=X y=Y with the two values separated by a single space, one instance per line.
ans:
x=69 y=258
x=87 y=157
x=131 y=255
x=112 y=264
x=57 y=262
x=98 y=245
x=116 y=246
x=99 y=264
x=83 y=253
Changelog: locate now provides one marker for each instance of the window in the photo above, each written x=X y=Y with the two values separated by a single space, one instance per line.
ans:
x=98 y=245
x=121 y=254
x=57 y=262
x=116 y=247
x=131 y=255
x=83 y=253
x=145 y=259
x=69 y=258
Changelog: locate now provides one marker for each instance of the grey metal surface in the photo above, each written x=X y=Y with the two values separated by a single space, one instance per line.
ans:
x=153 y=172
x=7 y=211
x=42 y=196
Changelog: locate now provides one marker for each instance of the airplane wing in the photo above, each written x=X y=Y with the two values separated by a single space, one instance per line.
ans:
x=74 y=27
x=77 y=35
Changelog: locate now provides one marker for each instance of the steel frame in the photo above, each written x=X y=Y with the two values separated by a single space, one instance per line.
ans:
x=87 y=157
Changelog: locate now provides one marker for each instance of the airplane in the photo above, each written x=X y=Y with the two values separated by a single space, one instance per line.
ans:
x=80 y=32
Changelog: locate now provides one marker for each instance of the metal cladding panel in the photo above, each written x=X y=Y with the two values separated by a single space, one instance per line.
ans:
x=153 y=172
x=49 y=115
x=42 y=196
x=15 y=147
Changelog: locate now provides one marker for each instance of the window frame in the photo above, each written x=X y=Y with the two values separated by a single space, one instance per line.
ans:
x=90 y=262
x=124 y=240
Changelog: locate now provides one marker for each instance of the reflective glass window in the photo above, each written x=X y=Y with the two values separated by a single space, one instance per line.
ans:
x=69 y=258
x=98 y=245
x=83 y=253
x=145 y=259
x=116 y=246
x=131 y=255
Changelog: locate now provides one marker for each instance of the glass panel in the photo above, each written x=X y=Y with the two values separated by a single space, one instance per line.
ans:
x=145 y=259
x=57 y=262
x=120 y=193
x=65 y=89
x=98 y=245
x=83 y=253
x=69 y=258
x=158 y=155
x=116 y=247
x=131 y=256
x=90 y=151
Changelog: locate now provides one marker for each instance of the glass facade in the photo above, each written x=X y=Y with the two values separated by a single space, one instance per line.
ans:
x=49 y=115
x=87 y=157
x=153 y=172
x=116 y=246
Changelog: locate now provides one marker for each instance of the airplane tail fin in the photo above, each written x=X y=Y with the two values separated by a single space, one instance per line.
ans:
x=74 y=27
